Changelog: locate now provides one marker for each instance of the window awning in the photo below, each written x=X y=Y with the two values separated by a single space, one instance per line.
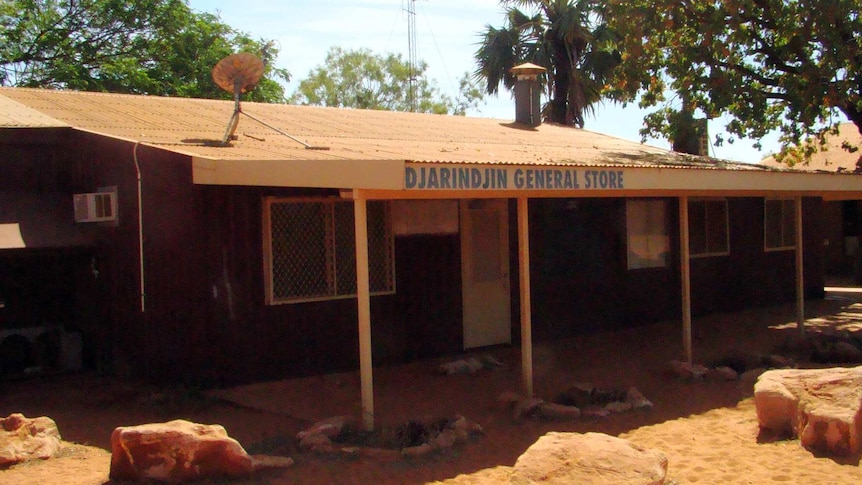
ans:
x=30 y=221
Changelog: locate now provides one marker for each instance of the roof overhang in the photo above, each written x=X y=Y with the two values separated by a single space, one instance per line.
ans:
x=361 y=174
x=398 y=179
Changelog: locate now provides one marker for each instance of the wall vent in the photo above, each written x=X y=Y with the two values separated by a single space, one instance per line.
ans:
x=95 y=207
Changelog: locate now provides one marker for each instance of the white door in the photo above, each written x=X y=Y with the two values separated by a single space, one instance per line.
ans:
x=485 y=272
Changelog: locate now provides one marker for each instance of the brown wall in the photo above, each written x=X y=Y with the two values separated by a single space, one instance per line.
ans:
x=247 y=339
x=34 y=283
x=580 y=282
x=749 y=276
x=204 y=317
x=206 y=321
x=579 y=278
x=31 y=159
x=152 y=342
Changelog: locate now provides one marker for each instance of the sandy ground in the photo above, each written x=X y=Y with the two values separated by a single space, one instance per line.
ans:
x=707 y=429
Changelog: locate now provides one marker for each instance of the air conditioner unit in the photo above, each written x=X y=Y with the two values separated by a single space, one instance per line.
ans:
x=95 y=207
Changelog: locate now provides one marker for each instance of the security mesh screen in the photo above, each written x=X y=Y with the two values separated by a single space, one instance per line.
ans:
x=345 y=249
x=313 y=253
x=301 y=262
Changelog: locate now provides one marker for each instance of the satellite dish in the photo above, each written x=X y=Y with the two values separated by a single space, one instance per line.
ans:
x=238 y=72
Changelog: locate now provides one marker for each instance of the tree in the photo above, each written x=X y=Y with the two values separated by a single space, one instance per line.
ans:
x=362 y=79
x=470 y=95
x=158 y=47
x=566 y=37
x=791 y=65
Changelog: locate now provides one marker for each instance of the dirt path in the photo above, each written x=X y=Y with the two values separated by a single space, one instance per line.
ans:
x=707 y=429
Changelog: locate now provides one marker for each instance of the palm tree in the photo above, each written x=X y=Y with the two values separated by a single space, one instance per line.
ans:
x=567 y=37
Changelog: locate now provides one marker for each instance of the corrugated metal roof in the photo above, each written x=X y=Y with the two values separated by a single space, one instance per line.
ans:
x=17 y=115
x=833 y=157
x=193 y=126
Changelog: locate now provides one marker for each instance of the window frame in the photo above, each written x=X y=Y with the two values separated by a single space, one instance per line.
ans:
x=707 y=253
x=783 y=200
x=331 y=240
x=665 y=203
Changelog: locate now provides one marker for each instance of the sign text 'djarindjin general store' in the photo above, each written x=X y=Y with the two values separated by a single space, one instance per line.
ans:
x=436 y=177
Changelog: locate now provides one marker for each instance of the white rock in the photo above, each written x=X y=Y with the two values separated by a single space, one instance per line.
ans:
x=573 y=458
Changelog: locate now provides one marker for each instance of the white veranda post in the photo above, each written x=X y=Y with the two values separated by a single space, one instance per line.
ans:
x=526 y=312
x=363 y=297
x=800 y=279
x=685 y=277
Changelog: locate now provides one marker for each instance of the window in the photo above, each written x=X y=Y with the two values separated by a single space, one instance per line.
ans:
x=310 y=250
x=708 y=227
x=779 y=224
x=646 y=232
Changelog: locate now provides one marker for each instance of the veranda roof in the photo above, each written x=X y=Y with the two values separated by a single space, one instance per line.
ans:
x=372 y=150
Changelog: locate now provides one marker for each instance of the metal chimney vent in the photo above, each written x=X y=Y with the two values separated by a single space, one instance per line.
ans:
x=528 y=93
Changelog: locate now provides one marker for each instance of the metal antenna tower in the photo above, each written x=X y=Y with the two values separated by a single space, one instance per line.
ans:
x=411 y=56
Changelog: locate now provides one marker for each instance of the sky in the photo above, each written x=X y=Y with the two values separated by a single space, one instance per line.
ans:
x=447 y=33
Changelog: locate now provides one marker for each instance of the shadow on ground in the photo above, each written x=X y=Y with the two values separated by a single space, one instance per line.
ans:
x=265 y=417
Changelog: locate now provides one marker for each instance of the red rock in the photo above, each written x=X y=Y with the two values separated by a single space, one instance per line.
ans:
x=637 y=399
x=685 y=370
x=559 y=411
x=618 y=407
x=331 y=427
x=23 y=439
x=723 y=373
x=464 y=426
x=444 y=440
x=415 y=451
x=176 y=451
x=821 y=406
x=526 y=407
x=595 y=412
x=315 y=442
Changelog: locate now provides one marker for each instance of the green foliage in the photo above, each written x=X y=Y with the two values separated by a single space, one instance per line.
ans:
x=788 y=65
x=566 y=37
x=157 y=47
x=362 y=79
x=470 y=96
x=801 y=153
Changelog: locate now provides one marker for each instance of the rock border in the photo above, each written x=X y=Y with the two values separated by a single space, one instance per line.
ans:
x=325 y=437
x=522 y=406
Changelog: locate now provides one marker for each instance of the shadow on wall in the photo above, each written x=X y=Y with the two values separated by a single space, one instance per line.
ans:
x=39 y=350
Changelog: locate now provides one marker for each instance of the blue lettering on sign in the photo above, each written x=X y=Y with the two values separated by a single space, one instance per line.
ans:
x=409 y=178
x=475 y=178
x=463 y=178
x=460 y=178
